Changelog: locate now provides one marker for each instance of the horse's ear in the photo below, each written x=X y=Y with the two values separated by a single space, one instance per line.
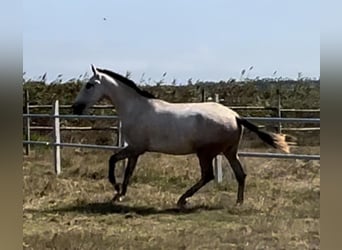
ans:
x=93 y=68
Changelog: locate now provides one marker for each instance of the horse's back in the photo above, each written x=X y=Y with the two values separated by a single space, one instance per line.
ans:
x=211 y=112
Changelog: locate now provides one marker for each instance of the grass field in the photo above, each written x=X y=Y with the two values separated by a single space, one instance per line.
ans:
x=73 y=211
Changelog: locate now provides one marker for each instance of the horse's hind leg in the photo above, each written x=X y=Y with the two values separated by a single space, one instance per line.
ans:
x=240 y=174
x=206 y=176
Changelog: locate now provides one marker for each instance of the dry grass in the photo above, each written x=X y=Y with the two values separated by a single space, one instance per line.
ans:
x=73 y=211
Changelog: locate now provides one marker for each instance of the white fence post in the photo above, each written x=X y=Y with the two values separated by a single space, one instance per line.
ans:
x=57 y=139
x=119 y=134
x=279 y=110
x=121 y=143
x=218 y=168
x=218 y=158
x=28 y=123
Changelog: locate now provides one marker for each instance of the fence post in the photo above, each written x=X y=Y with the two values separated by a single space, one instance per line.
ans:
x=279 y=110
x=119 y=138
x=203 y=95
x=121 y=143
x=218 y=158
x=28 y=122
x=218 y=168
x=57 y=139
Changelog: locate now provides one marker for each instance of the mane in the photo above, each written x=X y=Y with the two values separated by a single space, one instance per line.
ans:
x=127 y=82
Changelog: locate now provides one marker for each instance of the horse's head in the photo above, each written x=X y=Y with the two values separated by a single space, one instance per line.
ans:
x=90 y=93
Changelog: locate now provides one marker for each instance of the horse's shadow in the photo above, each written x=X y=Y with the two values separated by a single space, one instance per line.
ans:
x=109 y=208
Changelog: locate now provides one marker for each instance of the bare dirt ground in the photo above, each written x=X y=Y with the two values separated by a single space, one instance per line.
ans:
x=73 y=210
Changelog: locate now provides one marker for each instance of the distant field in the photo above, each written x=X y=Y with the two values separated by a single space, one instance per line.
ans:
x=73 y=211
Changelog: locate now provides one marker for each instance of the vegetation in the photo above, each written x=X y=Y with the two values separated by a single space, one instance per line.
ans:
x=73 y=211
x=294 y=94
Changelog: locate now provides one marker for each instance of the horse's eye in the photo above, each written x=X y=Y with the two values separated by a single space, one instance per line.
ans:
x=89 y=85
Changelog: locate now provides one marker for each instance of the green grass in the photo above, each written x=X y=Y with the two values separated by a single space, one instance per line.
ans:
x=73 y=211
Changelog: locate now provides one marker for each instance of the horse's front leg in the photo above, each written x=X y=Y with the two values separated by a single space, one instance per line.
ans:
x=127 y=152
x=132 y=162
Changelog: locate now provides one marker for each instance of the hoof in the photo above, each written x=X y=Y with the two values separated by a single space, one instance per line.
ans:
x=181 y=204
x=117 y=197
x=239 y=203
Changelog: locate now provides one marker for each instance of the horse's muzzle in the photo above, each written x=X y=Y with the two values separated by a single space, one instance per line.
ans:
x=78 y=108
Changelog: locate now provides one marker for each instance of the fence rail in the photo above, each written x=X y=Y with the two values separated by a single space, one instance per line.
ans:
x=74 y=128
x=75 y=145
x=97 y=117
x=105 y=106
x=241 y=154
x=66 y=106
x=57 y=144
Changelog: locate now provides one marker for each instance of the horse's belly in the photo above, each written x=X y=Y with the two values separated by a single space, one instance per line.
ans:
x=170 y=147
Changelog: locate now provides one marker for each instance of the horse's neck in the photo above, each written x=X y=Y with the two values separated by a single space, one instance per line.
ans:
x=127 y=101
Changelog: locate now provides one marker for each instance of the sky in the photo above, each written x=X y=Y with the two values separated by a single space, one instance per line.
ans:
x=203 y=40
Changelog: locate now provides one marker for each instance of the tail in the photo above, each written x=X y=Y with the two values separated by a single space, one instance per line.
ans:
x=275 y=140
